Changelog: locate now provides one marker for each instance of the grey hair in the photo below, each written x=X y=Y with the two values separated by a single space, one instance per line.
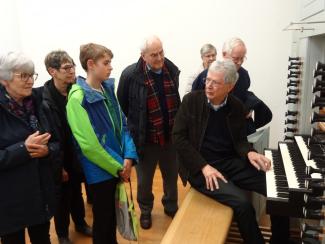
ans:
x=206 y=48
x=147 y=41
x=228 y=67
x=230 y=44
x=15 y=61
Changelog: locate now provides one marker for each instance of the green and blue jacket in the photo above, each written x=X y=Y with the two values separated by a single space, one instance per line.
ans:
x=100 y=131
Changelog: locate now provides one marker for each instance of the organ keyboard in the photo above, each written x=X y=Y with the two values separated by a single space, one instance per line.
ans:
x=286 y=178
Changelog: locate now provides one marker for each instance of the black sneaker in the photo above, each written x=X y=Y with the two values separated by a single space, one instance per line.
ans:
x=64 y=240
x=145 y=221
x=170 y=213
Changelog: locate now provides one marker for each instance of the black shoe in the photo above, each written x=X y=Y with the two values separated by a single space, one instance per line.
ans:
x=170 y=213
x=84 y=229
x=64 y=240
x=145 y=221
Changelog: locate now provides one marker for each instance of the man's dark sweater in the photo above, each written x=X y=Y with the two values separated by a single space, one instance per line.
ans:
x=217 y=142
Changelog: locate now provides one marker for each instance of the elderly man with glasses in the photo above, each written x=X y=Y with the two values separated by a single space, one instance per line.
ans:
x=148 y=94
x=215 y=156
x=235 y=50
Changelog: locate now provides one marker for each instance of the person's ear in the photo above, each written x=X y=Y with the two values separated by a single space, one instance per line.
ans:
x=51 y=71
x=4 y=83
x=90 y=64
x=231 y=87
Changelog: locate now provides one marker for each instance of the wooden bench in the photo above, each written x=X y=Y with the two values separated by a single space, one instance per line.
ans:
x=199 y=220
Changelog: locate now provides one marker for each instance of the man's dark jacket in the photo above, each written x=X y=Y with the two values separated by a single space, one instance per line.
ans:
x=132 y=95
x=263 y=114
x=189 y=129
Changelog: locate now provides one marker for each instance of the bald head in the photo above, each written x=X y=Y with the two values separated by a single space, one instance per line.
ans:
x=149 y=42
x=152 y=53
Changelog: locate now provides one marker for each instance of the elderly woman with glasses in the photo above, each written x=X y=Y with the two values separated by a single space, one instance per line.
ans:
x=27 y=155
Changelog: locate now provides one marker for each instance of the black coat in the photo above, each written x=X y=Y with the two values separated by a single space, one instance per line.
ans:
x=132 y=96
x=27 y=189
x=57 y=111
x=263 y=114
x=189 y=129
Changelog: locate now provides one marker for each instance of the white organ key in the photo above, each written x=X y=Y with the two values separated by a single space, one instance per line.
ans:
x=288 y=166
x=270 y=177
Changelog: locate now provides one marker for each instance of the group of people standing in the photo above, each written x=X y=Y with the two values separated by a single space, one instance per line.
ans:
x=74 y=128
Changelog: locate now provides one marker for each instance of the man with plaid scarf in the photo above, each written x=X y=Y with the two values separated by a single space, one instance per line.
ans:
x=148 y=95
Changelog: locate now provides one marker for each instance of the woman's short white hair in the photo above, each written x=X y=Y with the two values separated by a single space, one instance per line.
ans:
x=230 y=44
x=13 y=62
x=228 y=67
x=206 y=48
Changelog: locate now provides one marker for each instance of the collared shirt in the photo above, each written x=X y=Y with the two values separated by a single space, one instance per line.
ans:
x=158 y=72
x=217 y=107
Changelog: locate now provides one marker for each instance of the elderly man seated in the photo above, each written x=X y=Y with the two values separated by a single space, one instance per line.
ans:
x=215 y=157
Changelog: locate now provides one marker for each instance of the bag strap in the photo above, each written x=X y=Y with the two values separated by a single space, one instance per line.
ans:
x=131 y=190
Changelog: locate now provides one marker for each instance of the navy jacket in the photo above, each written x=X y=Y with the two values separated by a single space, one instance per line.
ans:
x=27 y=188
x=132 y=95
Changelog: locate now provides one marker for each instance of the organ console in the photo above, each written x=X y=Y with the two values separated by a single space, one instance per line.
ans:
x=290 y=67
x=286 y=180
x=318 y=82
x=295 y=63
x=316 y=236
x=320 y=66
x=292 y=100
x=319 y=73
x=294 y=59
x=318 y=89
x=305 y=227
x=294 y=83
x=291 y=113
x=316 y=132
x=318 y=102
x=292 y=76
x=315 y=117
x=291 y=121
x=293 y=92
x=292 y=130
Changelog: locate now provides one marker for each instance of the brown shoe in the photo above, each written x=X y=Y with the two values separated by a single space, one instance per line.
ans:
x=145 y=221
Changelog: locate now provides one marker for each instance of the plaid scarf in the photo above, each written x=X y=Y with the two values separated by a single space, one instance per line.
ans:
x=156 y=128
x=25 y=111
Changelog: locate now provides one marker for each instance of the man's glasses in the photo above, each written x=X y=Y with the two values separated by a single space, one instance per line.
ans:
x=238 y=59
x=214 y=83
x=25 y=76
x=68 y=68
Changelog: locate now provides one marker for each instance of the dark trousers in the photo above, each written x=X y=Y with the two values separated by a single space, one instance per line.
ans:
x=70 y=202
x=241 y=175
x=166 y=157
x=38 y=234
x=104 y=225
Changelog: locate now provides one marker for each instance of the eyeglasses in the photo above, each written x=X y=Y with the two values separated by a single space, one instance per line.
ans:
x=68 y=68
x=213 y=55
x=214 y=83
x=238 y=59
x=155 y=55
x=24 y=77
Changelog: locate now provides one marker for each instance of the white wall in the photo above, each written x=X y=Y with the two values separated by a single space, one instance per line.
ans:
x=9 y=27
x=182 y=25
